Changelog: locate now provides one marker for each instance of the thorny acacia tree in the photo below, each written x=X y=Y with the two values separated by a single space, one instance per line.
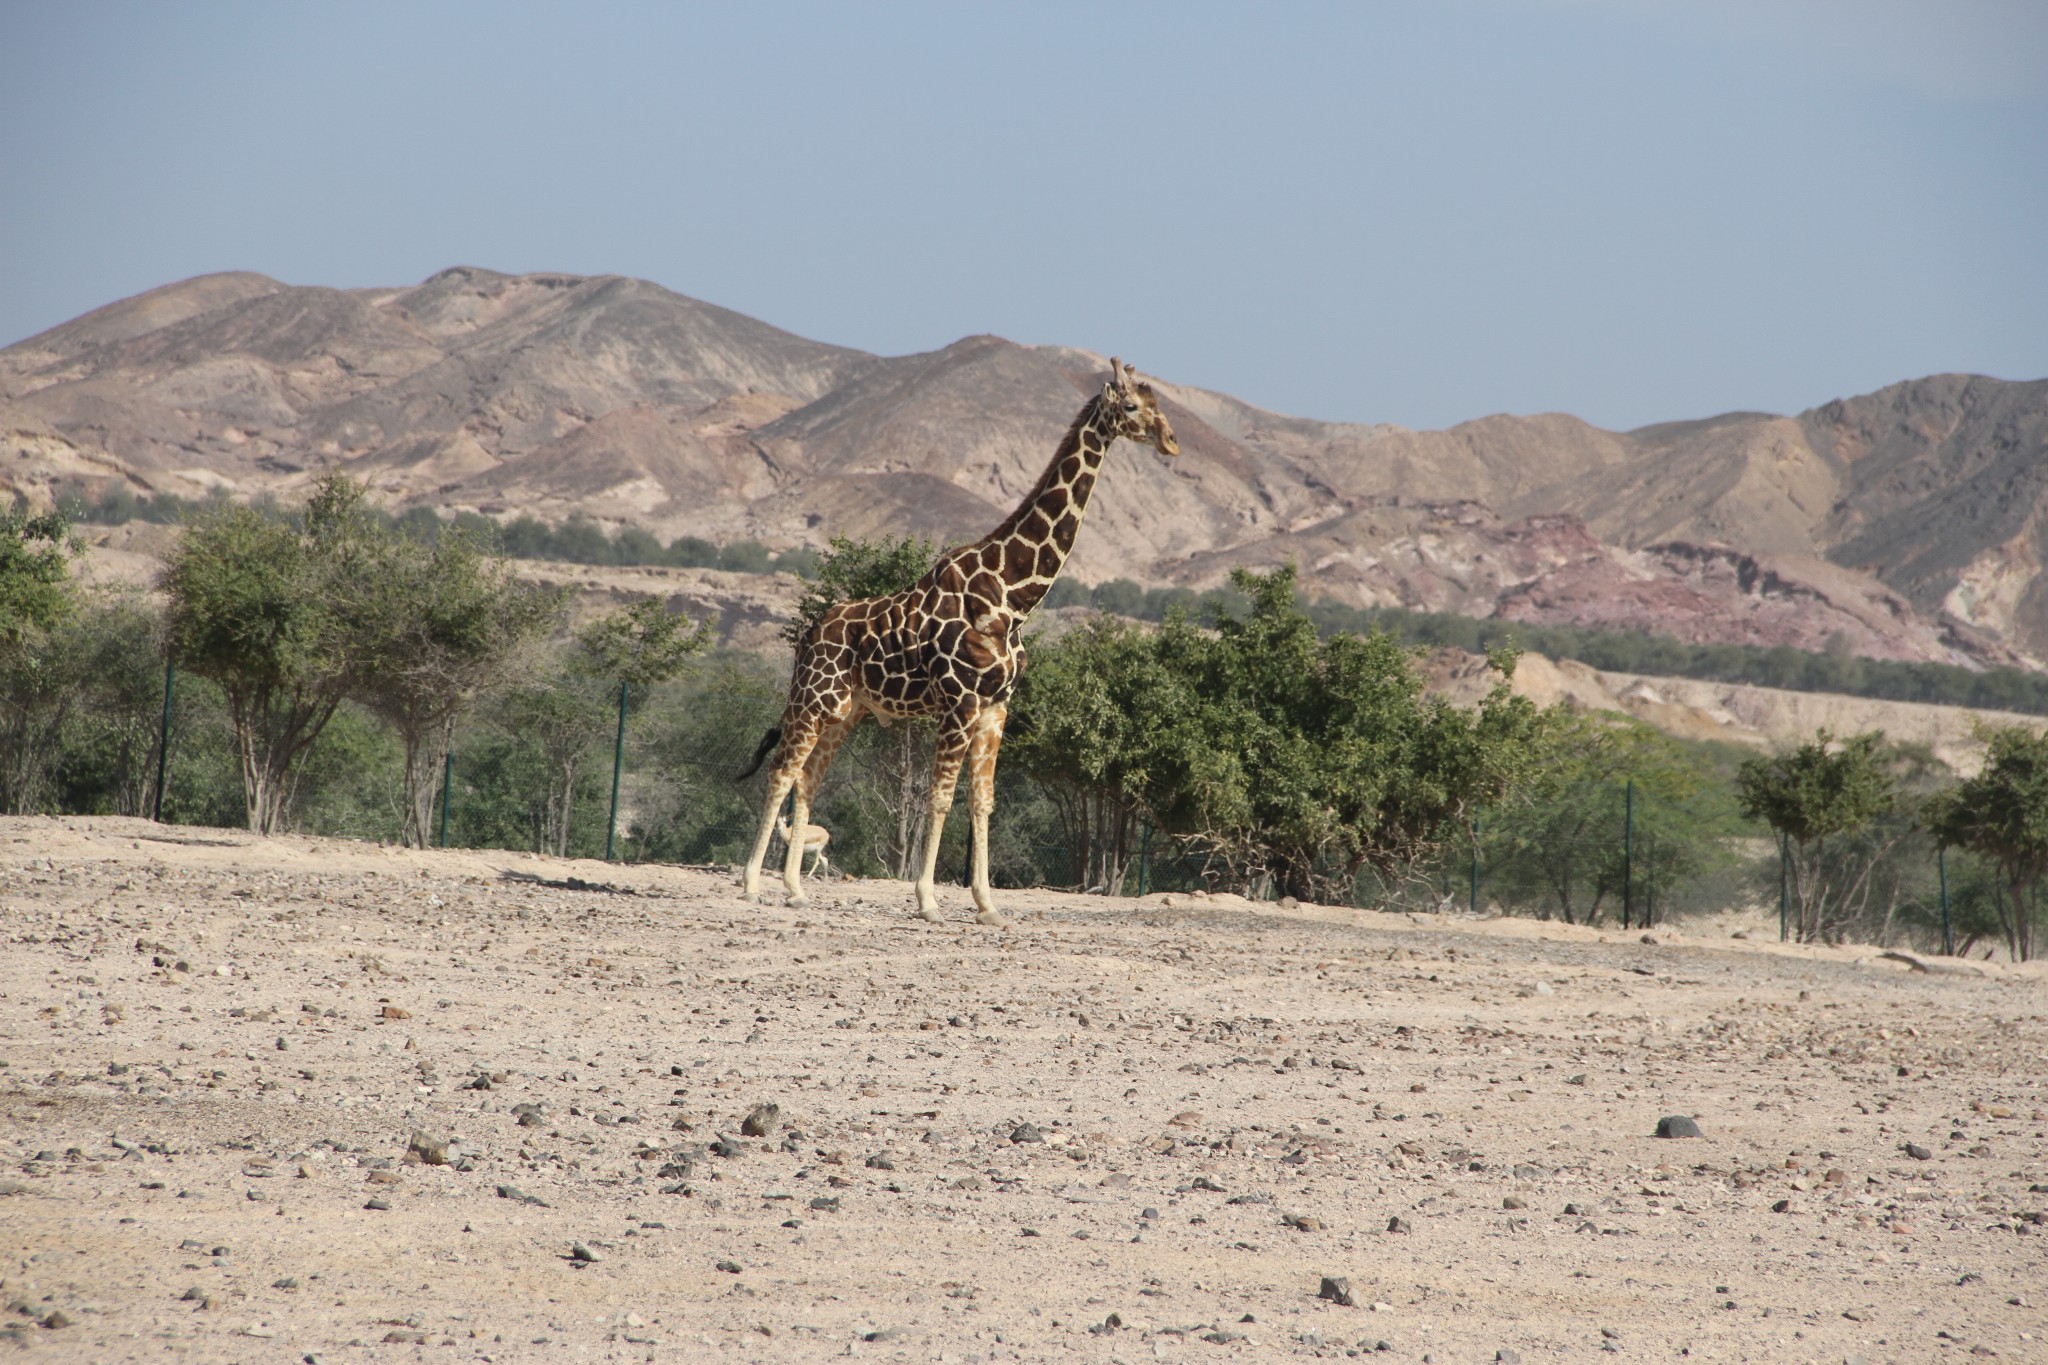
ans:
x=1345 y=761
x=2001 y=814
x=430 y=624
x=1563 y=845
x=36 y=592
x=37 y=601
x=1819 y=795
x=1095 y=712
x=114 y=656
x=563 y=709
x=1284 y=758
x=253 y=604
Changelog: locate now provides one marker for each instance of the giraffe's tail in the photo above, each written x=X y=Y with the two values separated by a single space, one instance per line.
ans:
x=768 y=743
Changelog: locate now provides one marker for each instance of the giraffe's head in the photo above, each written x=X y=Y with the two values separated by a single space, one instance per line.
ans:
x=1133 y=410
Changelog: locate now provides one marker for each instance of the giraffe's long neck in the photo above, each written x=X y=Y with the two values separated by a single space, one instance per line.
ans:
x=1037 y=538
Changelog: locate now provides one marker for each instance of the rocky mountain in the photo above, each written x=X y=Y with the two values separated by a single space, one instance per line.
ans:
x=1909 y=522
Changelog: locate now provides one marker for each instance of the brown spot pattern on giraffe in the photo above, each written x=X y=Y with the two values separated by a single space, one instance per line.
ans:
x=1020 y=561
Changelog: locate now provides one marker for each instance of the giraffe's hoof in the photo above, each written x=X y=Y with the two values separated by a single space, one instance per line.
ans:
x=930 y=914
x=992 y=920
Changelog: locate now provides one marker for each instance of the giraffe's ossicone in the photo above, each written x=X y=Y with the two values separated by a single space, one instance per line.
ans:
x=948 y=647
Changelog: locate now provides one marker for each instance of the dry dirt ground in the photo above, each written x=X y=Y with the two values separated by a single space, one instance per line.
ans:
x=1127 y=1130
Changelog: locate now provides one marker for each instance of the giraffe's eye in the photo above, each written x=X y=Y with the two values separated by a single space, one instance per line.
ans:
x=1130 y=407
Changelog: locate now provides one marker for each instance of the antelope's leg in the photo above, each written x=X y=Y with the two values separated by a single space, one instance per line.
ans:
x=830 y=735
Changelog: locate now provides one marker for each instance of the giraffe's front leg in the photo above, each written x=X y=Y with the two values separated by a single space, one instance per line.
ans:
x=981 y=799
x=955 y=729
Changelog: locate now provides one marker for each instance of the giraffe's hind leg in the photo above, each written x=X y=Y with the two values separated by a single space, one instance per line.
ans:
x=983 y=745
x=799 y=736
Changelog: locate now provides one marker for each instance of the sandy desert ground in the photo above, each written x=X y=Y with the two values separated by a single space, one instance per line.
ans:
x=274 y=1100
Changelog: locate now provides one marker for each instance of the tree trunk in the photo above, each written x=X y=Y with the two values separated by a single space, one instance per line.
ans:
x=2012 y=910
x=260 y=789
x=2030 y=914
x=257 y=799
x=269 y=738
x=137 y=768
x=1809 y=892
x=561 y=800
x=1104 y=874
x=426 y=748
x=23 y=767
x=913 y=800
x=1072 y=806
x=908 y=781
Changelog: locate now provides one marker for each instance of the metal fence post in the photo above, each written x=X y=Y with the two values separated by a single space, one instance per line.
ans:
x=1628 y=854
x=1473 y=900
x=611 y=828
x=447 y=789
x=1948 y=938
x=1649 y=879
x=163 y=744
x=1784 y=885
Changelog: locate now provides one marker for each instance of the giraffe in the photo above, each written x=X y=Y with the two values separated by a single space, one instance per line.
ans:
x=948 y=647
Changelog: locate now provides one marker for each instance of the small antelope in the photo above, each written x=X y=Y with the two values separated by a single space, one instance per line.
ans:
x=814 y=840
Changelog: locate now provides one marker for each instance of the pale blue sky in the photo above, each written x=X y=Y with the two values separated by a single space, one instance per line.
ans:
x=1633 y=210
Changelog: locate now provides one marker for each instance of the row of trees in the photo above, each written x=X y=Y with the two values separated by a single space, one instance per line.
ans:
x=1319 y=767
x=329 y=661
x=291 y=619
x=1836 y=668
x=1615 y=819
x=1280 y=757
x=1842 y=807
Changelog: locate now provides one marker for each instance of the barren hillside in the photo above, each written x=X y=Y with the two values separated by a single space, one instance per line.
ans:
x=1910 y=520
